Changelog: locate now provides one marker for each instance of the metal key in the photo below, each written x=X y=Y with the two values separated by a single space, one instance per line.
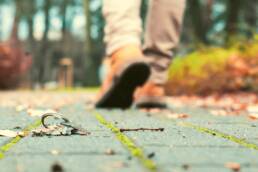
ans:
x=64 y=128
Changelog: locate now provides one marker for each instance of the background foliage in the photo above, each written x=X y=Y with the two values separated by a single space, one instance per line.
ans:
x=53 y=29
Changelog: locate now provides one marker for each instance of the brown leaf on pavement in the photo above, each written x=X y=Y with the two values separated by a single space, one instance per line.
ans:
x=219 y=112
x=177 y=115
x=36 y=112
x=252 y=109
x=55 y=152
x=20 y=108
x=253 y=116
x=166 y=113
x=10 y=133
x=110 y=152
x=233 y=166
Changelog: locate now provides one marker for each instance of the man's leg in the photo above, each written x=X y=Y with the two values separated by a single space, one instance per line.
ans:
x=164 y=24
x=122 y=37
x=123 y=24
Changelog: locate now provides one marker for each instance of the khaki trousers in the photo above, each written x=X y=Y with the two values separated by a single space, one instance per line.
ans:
x=164 y=21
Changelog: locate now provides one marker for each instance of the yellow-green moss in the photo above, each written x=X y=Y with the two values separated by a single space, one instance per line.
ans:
x=214 y=58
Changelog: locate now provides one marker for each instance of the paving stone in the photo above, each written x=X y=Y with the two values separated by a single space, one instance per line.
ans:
x=178 y=148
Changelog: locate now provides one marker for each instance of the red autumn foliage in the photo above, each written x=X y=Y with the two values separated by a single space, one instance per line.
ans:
x=14 y=63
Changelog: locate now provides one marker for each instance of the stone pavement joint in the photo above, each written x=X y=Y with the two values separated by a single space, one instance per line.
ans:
x=6 y=147
x=217 y=133
x=135 y=151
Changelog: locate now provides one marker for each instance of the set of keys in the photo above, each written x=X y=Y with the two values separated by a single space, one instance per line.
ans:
x=59 y=127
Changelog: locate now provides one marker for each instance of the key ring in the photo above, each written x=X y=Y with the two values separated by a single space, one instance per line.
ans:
x=56 y=116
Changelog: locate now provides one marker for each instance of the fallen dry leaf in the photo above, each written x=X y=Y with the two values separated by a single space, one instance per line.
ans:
x=253 y=116
x=252 y=109
x=176 y=115
x=55 y=152
x=231 y=103
x=20 y=108
x=233 y=166
x=165 y=112
x=118 y=164
x=219 y=112
x=36 y=112
x=47 y=99
x=110 y=152
x=10 y=133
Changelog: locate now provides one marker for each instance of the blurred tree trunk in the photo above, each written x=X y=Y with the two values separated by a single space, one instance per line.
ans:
x=198 y=20
x=30 y=17
x=208 y=10
x=1 y=20
x=17 y=16
x=88 y=26
x=46 y=21
x=233 y=11
x=31 y=31
x=43 y=54
x=31 y=5
x=66 y=44
x=90 y=67
x=64 y=18
x=251 y=15
x=1 y=29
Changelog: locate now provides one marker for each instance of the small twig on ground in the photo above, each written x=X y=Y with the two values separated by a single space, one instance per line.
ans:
x=142 y=129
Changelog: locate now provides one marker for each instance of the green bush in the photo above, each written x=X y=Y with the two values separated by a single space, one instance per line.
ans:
x=215 y=69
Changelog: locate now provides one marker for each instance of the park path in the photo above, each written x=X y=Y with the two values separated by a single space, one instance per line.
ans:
x=200 y=142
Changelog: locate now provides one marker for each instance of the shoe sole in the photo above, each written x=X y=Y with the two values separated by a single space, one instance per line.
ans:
x=150 y=103
x=120 y=95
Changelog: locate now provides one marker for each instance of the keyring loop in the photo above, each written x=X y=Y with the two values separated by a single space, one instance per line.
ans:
x=55 y=115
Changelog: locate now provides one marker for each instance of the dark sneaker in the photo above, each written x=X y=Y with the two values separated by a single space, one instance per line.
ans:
x=120 y=92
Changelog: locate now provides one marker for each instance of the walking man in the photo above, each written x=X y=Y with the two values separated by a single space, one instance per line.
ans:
x=138 y=72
